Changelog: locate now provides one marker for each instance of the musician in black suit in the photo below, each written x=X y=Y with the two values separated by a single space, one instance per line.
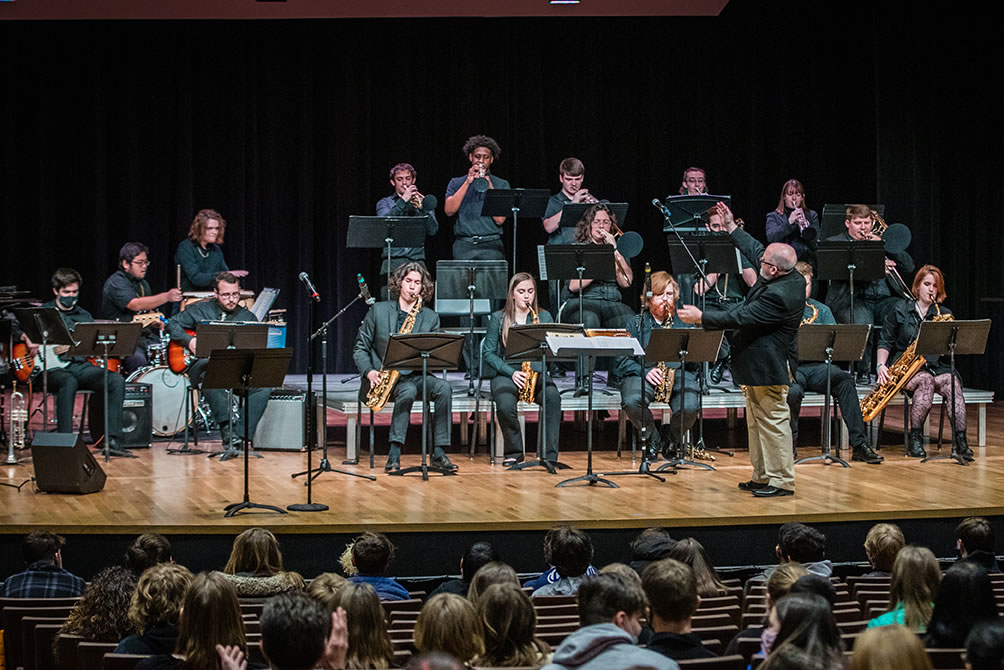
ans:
x=407 y=284
x=764 y=354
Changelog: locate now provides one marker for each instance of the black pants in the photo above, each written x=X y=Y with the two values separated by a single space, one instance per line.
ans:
x=631 y=400
x=812 y=377
x=65 y=382
x=218 y=400
x=406 y=390
x=868 y=309
x=506 y=396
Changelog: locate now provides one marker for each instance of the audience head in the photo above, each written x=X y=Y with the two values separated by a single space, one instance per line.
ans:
x=102 y=613
x=146 y=551
x=158 y=596
x=210 y=615
x=690 y=551
x=433 y=661
x=42 y=545
x=625 y=571
x=889 y=648
x=372 y=553
x=985 y=645
x=509 y=621
x=965 y=596
x=974 y=534
x=569 y=550
x=671 y=588
x=650 y=545
x=815 y=585
x=609 y=598
x=495 y=572
x=477 y=555
x=326 y=589
x=783 y=578
x=915 y=578
x=883 y=542
x=294 y=631
x=369 y=643
x=801 y=543
x=450 y=624
x=255 y=552
x=807 y=636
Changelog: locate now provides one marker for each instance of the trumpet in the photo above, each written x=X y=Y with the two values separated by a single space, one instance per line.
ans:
x=18 y=423
x=416 y=200
x=589 y=199
x=481 y=181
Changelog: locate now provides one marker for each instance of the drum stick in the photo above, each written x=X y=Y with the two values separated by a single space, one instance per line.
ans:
x=178 y=266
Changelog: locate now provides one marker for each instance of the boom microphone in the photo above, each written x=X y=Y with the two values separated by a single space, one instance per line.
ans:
x=661 y=207
x=364 y=290
x=311 y=291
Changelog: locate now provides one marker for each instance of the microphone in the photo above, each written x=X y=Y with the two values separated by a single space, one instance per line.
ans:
x=661 y=207
x=311 y=291
x=364 y=290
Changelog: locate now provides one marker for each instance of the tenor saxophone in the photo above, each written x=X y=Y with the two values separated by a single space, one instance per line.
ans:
x=665 y=389
x=380 y=393
x=528 y=392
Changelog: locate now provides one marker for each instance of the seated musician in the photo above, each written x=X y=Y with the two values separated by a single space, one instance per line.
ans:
x=406 y=201
x=898 y=332
x=661 y=314
x=812 y=377
x=200 y=256
x=792 y=222
x=873 y=300
x=508 y=382
x=601 y=298
x=79 y=373
x=224 y=306
x=410 y=287
x=126 y=293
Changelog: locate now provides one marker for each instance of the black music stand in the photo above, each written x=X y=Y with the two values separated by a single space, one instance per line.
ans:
x=826 y=343
x=592 y=348
x=936 y=338
x=833 y=216
x=689 y=210
x=246 y=369
x=528 y=343
x=44 y=326
x=472 y=280
x=376 y=232
x=424 y=351
x=104 y=339
x=531 y=202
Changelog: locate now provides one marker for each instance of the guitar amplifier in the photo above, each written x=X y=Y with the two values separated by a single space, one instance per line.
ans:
x=137 y=416
x=282 y=425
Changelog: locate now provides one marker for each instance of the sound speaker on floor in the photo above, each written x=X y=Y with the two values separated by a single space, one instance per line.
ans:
x=64 y=464
x=281 y=426
x=137 y=416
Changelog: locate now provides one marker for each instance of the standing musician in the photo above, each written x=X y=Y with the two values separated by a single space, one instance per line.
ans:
x=79 y=373
x=477 y=237
x=409 y=284
x=661 y=314
x=509 y=383
x=898 y=332
x=571 y=172
x=127 y=293
x=812 y=377
x=694 y=182
x=764 y=352
x=873 y=300
x=405 y=201
x=601 y=298
x=225 y=306
x=792 y=222
x=200 y=256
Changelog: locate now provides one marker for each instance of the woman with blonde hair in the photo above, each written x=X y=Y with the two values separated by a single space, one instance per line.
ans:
x=889 y=648
x=326 y=589
x=690 y=551
x=370 y=645
x=154 y=610
x=915 y=579
x=255 y=566
x=509 y=622
x=450 y=624
x=495 y=572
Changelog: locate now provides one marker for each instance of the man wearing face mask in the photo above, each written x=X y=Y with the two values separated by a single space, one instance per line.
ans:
x=79 y=373
x=223 y=307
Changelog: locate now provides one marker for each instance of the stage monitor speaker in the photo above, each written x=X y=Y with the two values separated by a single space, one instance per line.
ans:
x=281 y=426
x=137 y=416
x=64 y=464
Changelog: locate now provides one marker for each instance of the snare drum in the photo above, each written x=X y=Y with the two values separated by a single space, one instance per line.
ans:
x=168 y=390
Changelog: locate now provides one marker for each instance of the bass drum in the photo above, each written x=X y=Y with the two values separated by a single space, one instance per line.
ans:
x=168 y=391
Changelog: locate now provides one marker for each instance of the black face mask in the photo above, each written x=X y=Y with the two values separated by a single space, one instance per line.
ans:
x=68 y=301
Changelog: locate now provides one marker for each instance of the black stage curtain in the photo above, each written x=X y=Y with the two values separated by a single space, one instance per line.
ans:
x=118 y=131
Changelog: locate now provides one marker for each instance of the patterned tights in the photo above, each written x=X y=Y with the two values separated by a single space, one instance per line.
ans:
x=923 y=385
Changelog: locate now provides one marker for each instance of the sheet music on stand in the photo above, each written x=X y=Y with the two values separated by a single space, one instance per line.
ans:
x=264 y=303
x=598 y=345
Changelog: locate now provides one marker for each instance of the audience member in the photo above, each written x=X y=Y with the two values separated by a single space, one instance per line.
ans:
x=883 y=542
x=326 y=589
x=610 y=611
x=369 y=643
x=146 y=551
x=433 y=661
x=477 y=555
x=622 y=569
x=985 y=645
x=975 y=542
x=509 y=621
x=102 y=613
x=807 y=636
x=371 y=557
x=817 y=586
x=44 y=576
x=964 y=598
x=780 y=582
x=488 y=575
x=154 y=609
x=652 y=544
x=297 y=633
x=690 y=551
x=915 y=579
x=889 y=648
x=450 y=624
x=671 y=588
x=803 y=544
x=550 y=576
x=255 y=566
x=570 y=551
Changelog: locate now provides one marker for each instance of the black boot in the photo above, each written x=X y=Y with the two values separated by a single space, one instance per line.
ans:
x=718 y=371
x=651 y=453
x=915 y=443
x=960 y=446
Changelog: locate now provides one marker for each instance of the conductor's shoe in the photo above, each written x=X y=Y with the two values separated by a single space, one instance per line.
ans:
x=752 y=486
x=443 y=461
x=772 y=492
x=865 y=454
x=393 y=464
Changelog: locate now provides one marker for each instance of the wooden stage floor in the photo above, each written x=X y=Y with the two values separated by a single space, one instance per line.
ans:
x=187 y=494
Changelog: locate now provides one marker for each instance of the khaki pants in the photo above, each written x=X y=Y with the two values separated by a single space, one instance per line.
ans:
x=769 y=429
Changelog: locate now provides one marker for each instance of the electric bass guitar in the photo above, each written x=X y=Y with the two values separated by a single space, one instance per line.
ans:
x=180 y=357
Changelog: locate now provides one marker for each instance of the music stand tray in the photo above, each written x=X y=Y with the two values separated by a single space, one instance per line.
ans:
x=425 y=352
x=836 y=259
x=213 y=336
x=690 y=209
x=530 y=202
x=712 y=252
x=384 y=232
x=247 y=369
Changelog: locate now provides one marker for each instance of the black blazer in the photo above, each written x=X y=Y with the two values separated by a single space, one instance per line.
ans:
x=374 y=334
x=765 y=345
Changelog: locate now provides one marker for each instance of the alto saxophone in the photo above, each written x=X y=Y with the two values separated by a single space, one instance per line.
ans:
x=527 y=393
x=813 y=316
x=905 y=367
x=665 y=388
x=379 y=394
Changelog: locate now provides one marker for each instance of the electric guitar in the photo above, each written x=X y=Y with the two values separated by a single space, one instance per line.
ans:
x=27 y=367
x=180 y=357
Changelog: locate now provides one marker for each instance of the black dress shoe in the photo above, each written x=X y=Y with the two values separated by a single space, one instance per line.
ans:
x=717 y=371
x=444 y=462
x=772 y=492
x=752 y=486
x=510 y=461
x=865 y=454
x=393 y=464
